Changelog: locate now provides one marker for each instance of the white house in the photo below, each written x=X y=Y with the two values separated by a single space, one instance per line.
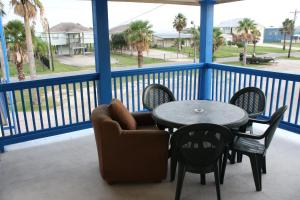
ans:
x=229 y=27
x=70 y=38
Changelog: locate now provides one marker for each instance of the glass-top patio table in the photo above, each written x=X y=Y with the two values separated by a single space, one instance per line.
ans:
x=181 y=113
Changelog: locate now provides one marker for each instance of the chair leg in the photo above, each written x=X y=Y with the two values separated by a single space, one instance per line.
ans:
x=173 y=159
x=232 y=157
x=181 y=173
x=223 y=166
x=202 y=179
x=256 y=171
x=217 y=180
x=173 y=167
x=263 y=165
x=239 y=158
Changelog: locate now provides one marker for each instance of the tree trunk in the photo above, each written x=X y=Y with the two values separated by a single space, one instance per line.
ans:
x=179 y=41
x=19 y=64
x=140 y=59
x=29 y=45
x=254 y=47
x=245 y=54
x=290 y=46
x=284 y=41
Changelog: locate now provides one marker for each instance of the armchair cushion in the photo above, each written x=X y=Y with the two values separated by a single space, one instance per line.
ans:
x=120 y=114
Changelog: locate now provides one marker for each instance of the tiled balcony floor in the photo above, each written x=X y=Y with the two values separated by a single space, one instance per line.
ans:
x=68 y=170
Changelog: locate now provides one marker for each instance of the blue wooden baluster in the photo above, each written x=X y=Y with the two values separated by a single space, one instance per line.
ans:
x=62 y=110
x=126 y=90
x=278 y=94
x=24 y=110
x=32 y=110
x=121 y=88
x=47 y=106
x=272 y=96
x=40 y=107
x=291 y=102
x=138 y=92
x=16 y=111
x=75 y=102
x=82 y=102
x=69 y=103
x=298 y=107
x=8 y=113
x=89 y=98
x=54 y=105
x=132 y=93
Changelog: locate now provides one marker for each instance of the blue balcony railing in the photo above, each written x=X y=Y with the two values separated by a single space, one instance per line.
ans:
x=41 y=108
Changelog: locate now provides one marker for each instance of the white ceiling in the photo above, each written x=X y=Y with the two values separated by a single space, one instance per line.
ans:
x=179 y=2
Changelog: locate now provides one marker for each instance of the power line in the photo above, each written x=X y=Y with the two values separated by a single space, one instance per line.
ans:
x=144 y=13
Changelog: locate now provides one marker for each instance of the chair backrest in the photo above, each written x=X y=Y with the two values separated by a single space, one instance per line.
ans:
x=274 y=123
x=201 y=145
x=251 y=99
x=155 y=95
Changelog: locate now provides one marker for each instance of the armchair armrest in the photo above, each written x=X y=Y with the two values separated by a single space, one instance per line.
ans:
x=252 y=120
x=143 y=118
x=240 y=134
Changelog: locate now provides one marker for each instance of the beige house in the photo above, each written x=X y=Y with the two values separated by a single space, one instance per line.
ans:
x=169 y=40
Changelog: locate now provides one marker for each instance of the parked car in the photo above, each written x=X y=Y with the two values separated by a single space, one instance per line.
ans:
x=256 y=59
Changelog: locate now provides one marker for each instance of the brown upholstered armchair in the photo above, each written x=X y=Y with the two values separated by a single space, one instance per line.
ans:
x=130 y=155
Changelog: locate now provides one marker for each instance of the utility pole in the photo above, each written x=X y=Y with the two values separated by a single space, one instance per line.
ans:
x=194 y=33
x=293 y=31
x=51 y=63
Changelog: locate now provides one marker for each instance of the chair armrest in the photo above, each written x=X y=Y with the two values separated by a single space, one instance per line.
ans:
x=240 y=134
x=252 y=120
x=143 y=118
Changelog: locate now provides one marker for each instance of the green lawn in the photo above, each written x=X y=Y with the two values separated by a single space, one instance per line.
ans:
x=229 y=51
x=127 y=60
x=40 y=69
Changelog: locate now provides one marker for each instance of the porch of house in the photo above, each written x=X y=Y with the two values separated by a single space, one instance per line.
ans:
x=68 y=170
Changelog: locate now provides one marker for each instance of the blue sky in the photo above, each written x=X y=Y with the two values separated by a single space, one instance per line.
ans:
x=265 y=12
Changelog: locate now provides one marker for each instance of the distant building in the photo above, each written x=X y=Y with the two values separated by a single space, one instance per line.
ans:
x=118 y=29
x=273 y=34
x=168 y=40
x=229 y=28
x=70 y=38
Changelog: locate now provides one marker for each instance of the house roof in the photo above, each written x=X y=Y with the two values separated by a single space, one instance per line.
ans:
x=118 y=29
x=232 y=23
x=69 y=27
x=173 y=35
x=180 y=2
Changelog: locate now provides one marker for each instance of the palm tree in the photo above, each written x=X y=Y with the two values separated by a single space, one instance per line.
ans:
x=291 y=29
x=139 y=35
x=179 y=24
x=217 y=39
x=15 y=37
x=255 y=38
x=28 y=10
x=244 y=29
x=286 y=30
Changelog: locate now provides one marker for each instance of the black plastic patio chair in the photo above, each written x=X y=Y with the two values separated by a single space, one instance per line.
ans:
x=247 y=144
x=155 y=95
x=198 y=149
x=253 y=101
